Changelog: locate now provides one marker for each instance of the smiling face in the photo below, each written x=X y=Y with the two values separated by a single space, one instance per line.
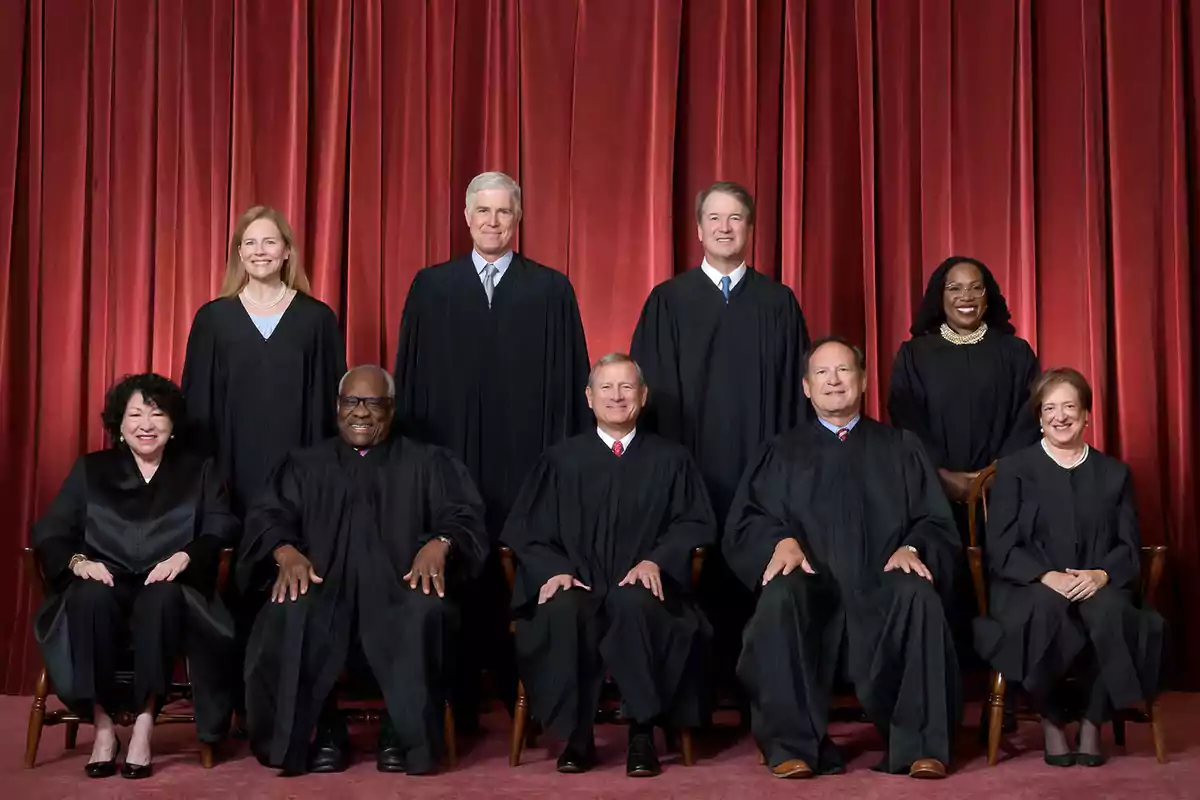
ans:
x=964 y=298
x=145 y=427
x=492 y=218
x=263 y=250
x=616 y=395
x=723 y=229
x=364 y=409
x=834 y=382
x=1063 y=416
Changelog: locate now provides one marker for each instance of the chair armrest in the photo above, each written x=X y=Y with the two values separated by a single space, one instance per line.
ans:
x=698 y=555
x=508 y=560
x=1154 y=559
x=975 y=561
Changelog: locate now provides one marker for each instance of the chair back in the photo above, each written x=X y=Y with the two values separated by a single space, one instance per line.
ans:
x=977 y=502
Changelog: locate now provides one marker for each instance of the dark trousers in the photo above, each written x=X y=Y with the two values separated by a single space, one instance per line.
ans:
x=105 y=622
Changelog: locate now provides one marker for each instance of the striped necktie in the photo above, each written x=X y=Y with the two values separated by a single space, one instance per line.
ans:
x=843 y=433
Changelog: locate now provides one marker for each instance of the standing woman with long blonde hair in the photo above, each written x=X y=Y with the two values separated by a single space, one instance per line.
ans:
x=263 y=363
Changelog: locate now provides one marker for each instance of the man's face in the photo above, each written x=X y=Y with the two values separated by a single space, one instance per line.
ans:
x=492 y=219
x=723 y=227
x=615 y=395
x=834 y=383
x=364 y=409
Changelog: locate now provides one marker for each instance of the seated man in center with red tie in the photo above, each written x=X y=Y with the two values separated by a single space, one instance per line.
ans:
x=603 y=531
x=842 y=528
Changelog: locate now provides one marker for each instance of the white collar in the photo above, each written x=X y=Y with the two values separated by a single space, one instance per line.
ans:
x=715 y=276
x=1078 y=461
x=625 y=440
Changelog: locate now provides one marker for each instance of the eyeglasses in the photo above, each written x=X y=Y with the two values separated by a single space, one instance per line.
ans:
x=348 y=403
x=969 y=291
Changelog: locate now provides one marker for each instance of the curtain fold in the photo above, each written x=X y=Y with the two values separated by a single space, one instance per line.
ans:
x=1059 y=142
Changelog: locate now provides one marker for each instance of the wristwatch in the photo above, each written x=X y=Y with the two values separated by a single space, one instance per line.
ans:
x=913 y=549
x=447 y=541
x=75 y=559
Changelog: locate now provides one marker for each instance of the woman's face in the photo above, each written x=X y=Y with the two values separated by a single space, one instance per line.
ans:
x=146 y=427
x=263 y=250
x=964 y=298
x=1063 y=417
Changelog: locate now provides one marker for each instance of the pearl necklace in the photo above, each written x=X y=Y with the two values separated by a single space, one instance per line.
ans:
x=1082 y=458
x=974 y=337
x=246 y=296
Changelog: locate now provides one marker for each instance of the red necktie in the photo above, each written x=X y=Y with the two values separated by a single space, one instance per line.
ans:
x=843 y=433
x=618 y=448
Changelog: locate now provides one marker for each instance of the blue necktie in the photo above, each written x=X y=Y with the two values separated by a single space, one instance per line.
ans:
x=725 y=282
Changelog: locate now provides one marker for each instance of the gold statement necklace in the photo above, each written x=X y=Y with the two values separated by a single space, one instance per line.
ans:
x=974 y=337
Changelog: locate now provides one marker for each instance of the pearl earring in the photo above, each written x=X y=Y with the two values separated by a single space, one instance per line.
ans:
x=122 y=439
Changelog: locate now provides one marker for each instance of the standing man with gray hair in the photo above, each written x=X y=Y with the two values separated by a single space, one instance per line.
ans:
x=721 y=346
x=491 y=364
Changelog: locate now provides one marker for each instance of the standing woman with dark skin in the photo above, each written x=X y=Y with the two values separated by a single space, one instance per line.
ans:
x=262 y=367
x=961 y=383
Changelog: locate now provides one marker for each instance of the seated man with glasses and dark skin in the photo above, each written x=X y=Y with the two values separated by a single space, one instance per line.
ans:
x=365 y=537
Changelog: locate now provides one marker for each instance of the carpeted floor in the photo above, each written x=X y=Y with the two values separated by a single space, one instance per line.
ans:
x=726 y=769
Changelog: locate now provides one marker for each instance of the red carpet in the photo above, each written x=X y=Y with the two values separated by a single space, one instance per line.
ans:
x=729 y=771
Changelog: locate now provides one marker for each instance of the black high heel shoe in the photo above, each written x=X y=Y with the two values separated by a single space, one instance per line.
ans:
x=1064 y=760
x=135 y=772
x=104 y=769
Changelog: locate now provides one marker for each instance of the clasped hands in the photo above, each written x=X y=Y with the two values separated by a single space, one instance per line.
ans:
x=644 y=572
x=296 y=572
x=788 y=557
x=166 y=570
x=1076 y=584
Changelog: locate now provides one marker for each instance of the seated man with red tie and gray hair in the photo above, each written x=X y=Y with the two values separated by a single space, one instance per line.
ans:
x=842 y=528
x=603 y=532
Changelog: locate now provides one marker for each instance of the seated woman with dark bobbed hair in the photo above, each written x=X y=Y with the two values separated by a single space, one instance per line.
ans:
x=130 y=550
x=1063 y=556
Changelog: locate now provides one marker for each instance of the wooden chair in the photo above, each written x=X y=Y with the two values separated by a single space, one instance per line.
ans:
x=521 y=712
x=1153 y=560
x=39 y=717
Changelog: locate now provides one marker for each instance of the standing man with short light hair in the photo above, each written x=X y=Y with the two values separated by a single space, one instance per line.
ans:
x=491 y=364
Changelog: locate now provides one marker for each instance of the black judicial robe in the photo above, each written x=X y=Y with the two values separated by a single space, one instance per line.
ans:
x=495 y=385
x=850 y=505
x=586 y=512
x=1045 y=518
x=361 y=521
x=252 y=399
x=723 y=378
x=969 y=404
x=109 y=513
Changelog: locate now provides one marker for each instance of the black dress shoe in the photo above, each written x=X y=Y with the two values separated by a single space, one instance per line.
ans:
x=574 y=761
x=390 y=759
x=104 y=769
x=135 y=772
x=329 y=751
x=642 y=761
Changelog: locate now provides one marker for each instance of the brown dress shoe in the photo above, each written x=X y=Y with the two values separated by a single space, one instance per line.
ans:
x=927 y=768
x=793 y=768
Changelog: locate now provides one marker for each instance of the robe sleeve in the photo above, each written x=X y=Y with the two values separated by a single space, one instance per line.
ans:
x=692 y=524
x=907 y=405
x=1025 y=429
x=218 y=527
x=199 y=382
x=932 y=529
x=567 y=367
x=796 y=404
x=272 y=521
x=655 y=349
x=759 y=517
x=1123 y=562
x=1008 y=553
x=455 y=510
x=532 y=531
x=328 y=368
x=406 y=373
x=58 y=535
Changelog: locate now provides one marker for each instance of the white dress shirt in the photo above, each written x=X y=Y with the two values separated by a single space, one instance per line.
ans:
x=501 y=265
x=625 y=440
x=715 y=276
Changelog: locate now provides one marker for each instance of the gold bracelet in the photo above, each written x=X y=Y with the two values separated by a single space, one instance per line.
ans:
x=78 y=558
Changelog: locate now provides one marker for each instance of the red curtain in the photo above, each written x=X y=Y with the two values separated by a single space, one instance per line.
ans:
x=1057 y=141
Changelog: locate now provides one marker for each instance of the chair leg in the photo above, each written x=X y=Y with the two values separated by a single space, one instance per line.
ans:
x=762 y=758
x=995 y=717
x=1118 y=726
x=685 y=743
x=450 y=736
x=37 y=716
x=72 y=732
x=1156 y=731
x=206 y=755
x=520 y=720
